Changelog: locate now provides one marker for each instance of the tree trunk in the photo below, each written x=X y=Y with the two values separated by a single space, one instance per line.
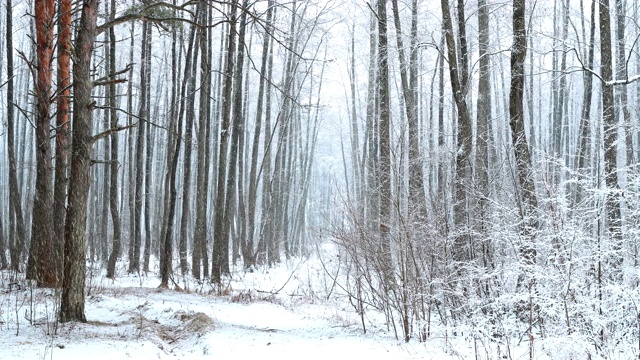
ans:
x=239 y=114
x=167 y=248
x=220 y=261
x=384 y=121
x=528 y=201
x=458 y=74
x=248 y=252
x=407 y=75
x=585 y=119
x=3 y=249
x=198 y=258
x=370 y=149
x=148 y=163
x=188 y=146
x=15 y=200
x=72 y=304
x=482 y=122
x=610 y=139
x=265 y=236
x=62 y=126
x=621 y=74
x=134 y=258
x=113 y=180
x=42 y=265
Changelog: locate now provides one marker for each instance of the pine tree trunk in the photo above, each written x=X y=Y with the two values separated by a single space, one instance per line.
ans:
x=240 y=151
x=134 y=258
x=15 y=200
x=202 y=177
x=62 y=126
x=265 y=235
x=220 y=261
x=72 y=304
x=113 y=180
x=248 y=251
x=42 y=266
x=188 y=146
x=148 y=163
x=167 y=248
x=3 y=257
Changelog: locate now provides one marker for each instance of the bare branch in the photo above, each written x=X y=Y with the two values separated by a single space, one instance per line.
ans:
x=108 y=132
x=117 y=73
x=109 y=82
x=615 y=82
x=6 y=82
x=96 y=161
x=103 y=107
x=25 y=113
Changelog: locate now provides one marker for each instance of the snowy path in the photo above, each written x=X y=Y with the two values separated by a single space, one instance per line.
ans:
x=146 y=323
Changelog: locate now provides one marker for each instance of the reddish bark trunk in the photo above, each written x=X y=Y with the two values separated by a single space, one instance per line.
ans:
x=41 y=265
x=62 y=126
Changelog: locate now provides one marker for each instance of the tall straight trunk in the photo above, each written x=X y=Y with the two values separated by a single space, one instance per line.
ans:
x=458 y=75
x=370 y=143
x=72 y=304
x=166 y=257
x=384 y=120
x=610 y=138
x=355 y=191
x=134 y=258
x=171 y=138
x=211 y=142
x=220 y=261
x=621 y=74
x=148 y=163
x=370 y=151
x=173 y=153
x=441 y=135
x=525 y=186
x=239 y=139
x=185 y=91
x=62 y=125
x=463 y=49
x=277 y=191
x=188 y=146
x=248 y=252
x=15 y=200
x=130 y=152
x=113 y=179
x=265 y=235
x=42 y=260
x=585 y=118
x=202 y=178
x=103 y=202
x=407 y=76
x=559 y=106
x=482 y=122
x=3 y=257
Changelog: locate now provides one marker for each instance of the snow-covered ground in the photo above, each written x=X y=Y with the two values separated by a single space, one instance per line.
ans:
x=279 y=313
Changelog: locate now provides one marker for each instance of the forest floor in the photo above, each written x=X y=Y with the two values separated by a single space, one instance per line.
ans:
x=293 y=311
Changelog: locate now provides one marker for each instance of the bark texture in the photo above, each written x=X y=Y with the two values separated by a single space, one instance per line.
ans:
x=72 y=304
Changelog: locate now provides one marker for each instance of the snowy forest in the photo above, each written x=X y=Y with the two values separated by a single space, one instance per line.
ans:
x=454 y=179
